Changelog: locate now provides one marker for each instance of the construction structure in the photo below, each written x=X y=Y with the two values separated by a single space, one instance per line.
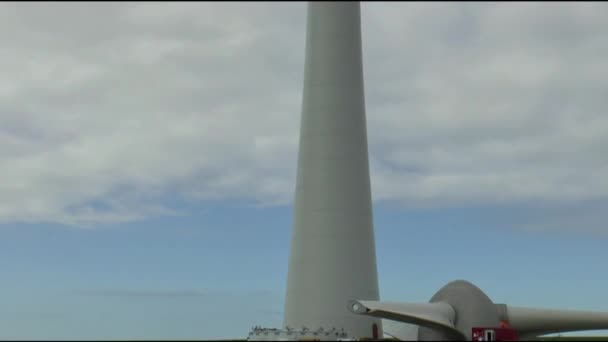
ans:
x=332 y=286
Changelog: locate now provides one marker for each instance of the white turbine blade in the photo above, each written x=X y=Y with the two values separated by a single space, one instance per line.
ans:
x=534 y=322
x=400 y=330
x=438 y=316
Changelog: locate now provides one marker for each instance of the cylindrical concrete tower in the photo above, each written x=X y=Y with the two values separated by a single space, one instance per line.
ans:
x=333 y=257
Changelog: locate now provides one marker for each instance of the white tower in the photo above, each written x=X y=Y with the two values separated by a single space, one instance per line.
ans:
x=333 y=257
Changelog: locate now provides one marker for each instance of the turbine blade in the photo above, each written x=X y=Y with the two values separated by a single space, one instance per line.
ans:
x=439 y=316
x=534 y=322
x=399 y=330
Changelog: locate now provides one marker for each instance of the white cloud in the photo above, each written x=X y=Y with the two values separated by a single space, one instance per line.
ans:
x=105 y=108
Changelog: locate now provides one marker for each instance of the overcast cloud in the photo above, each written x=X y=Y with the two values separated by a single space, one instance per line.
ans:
x=108 y=108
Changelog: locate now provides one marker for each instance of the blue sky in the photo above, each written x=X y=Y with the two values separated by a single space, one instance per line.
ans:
x=148 y=155
x=221 y=269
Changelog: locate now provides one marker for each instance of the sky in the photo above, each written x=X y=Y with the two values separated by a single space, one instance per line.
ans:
x=148 y=155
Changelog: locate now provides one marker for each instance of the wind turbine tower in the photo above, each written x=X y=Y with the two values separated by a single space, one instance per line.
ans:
x=333 y=257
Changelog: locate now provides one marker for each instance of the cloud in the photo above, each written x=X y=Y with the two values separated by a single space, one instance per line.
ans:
x=106 y=109
x=584 y=216
x=503 y=115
